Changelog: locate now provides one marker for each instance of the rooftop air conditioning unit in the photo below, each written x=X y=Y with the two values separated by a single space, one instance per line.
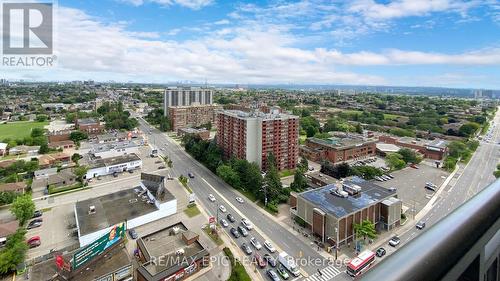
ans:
x=92 y=210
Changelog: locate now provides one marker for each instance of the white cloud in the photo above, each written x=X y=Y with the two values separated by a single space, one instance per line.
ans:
x=192 y=4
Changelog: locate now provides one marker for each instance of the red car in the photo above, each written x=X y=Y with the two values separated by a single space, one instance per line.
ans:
x=259 y=260
x=34 y=241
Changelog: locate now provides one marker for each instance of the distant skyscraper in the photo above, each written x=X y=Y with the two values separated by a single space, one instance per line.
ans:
x=185 y=96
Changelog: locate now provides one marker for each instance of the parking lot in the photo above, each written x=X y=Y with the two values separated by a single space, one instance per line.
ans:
x=56 y=232
x=410 y=184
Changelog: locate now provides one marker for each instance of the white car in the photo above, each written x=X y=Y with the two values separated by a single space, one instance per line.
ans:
x=224 y=223
x=247 y=224
x=239 y=199
x=255 y=243
x=222 y=208
x=211 y=197
x=269 y=246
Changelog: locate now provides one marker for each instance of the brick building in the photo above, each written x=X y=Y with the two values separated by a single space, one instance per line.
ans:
x=331 y=217
x=436 y=149
x=252 y=136
x=192 y=116
x=89 y=125
x=338 y=149
x=62 y=135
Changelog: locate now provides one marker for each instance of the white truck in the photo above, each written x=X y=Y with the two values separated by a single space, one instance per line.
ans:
x=289 y=263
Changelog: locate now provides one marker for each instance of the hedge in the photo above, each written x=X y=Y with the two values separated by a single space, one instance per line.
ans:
x=238 y=272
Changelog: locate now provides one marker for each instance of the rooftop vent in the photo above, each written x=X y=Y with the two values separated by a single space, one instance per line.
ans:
x=352 y=189
x=92 y=210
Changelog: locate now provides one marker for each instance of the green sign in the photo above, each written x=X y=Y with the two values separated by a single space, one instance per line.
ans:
x=87 y=253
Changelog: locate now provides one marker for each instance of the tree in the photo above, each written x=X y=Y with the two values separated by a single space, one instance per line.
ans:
x=14 y=252
x=80 y=172
x=78 y=136
x=310 y=125
x=366 y=172
x=23 y=208
x=395 y=161
x=75 y=157
x=41 y=118
x=409 y=155
x=303 y=164
x=36 y=132
x=299 y=181
x=272 y=182
x=44 y=148
x=359 y=128
x=338 y=171
x=468 y=129
x=365 y=229
x=230 y=176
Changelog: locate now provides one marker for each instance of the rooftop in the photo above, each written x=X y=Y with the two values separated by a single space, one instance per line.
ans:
x=163 y=245
x=342 y=143
x=102 y=147
x=340 y=207
x=258 y=114
x=439 y=143
x=387 y=147
x=111 y=161
x=14 y=186
x=87 y=121
x=192 y=130
x=111 y=209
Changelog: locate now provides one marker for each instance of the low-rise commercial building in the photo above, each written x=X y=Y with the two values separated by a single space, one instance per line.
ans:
x=51 y=160
x=147 y=202
x=173 y=253
x=193 y=115
x=338 y=149
x=433 y=149
x=89 y=125
x=107 y=166
x=331 y=212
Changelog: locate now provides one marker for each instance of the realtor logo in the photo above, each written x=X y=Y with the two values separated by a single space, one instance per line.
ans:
x=27 y=28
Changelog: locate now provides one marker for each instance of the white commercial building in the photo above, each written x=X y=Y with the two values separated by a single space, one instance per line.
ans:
x=148 y=202
x=118 y=164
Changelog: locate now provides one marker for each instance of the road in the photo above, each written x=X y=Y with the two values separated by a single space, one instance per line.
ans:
x=468 y=181
x=205 y=183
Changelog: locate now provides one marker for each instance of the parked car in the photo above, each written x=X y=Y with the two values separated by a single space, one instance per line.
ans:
x=161 y=167
x=230 y=218
x=239 y=200
x=243 y=231
x=191 y=175
x=282 y=272
x=380 y=252
x=259 y=260
x=247 y=224
x=222 y=208
x=269 y=246
x=270 y=260
x=133 y=233
x=37 y=214
x=246 y=249
x=235 y=232
x=431 y=188
x=272 y=275
x=211 y=197
x=394 y=241
x=255 y=243
x=34 y=241
x=392 y=188
x=420 y=225
x=224 y=223
x=34 y=224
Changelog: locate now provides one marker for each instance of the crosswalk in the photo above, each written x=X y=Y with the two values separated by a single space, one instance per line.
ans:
x=327 y=273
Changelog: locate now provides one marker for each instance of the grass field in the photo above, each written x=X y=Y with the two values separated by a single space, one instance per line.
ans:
x=192 y=211
x=390 y=116
x=19 y=130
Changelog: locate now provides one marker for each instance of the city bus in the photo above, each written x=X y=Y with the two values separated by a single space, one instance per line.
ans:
x=361 y=263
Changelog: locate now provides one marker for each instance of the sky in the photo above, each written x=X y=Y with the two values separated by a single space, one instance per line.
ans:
x=443 y=43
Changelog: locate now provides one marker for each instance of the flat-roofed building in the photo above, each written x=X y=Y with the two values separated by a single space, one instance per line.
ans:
x=436 y=149
x=338 y=149
x=254 y=135
x=118 y=164
x=193 y=115
x=178 y=248
x=147 y=202
x=330 y=212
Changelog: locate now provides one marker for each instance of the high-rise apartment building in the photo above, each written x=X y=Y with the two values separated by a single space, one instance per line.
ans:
x=193 y=115
x=185 y=96
x=252 y=136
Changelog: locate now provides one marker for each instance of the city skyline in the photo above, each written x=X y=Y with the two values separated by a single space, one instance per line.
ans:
x=396 y=43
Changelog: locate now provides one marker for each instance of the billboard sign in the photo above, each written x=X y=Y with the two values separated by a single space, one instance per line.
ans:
x=211 y=220
x=87 y=253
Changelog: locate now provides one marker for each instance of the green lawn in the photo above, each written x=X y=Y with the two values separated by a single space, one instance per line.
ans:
x=388 y=116
x=18 y=130
x=192 y=211
x=286 y=173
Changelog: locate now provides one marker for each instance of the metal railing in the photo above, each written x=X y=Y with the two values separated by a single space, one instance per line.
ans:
x=465 y=245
